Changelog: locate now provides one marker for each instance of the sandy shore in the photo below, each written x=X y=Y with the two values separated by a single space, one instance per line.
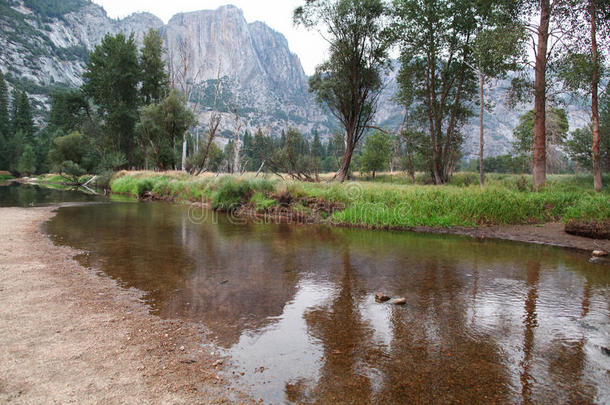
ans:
x=552 y=234
x=68 y=335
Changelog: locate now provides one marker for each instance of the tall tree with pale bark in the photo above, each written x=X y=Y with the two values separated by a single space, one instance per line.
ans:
x=584 y=68
x=498 y=48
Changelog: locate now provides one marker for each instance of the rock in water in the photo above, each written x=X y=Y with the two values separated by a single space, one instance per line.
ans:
x=399 y=301
x=380 y=297
x=600 y=253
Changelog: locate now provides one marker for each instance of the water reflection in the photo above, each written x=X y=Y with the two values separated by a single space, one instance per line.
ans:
x=27 y=195
x=486 y=322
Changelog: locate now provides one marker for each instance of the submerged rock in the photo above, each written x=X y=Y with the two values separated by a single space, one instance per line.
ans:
x=380 y=297
x=399 y=301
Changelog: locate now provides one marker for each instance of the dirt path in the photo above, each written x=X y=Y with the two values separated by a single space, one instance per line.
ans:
x=68 y=335
x=547 y=234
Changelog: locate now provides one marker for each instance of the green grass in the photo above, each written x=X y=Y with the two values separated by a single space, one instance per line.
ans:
x=5 y=177
x=224 y=192
x=262 y=203
x=506 y=199
x=592 y=208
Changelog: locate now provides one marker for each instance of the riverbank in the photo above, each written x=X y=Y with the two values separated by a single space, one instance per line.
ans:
x=504 y=209
x=69 y=335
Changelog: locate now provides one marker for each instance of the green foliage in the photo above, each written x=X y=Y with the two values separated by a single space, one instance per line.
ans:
x=590 y=208
x=294 y=157
x=231 y=195
x=162 y=127
x=111 y=161
x=505 y=200
x=262 y=203
x=215 y=158
x=579 y=148
x=155 y=81
x=436 y=79
x=502 y=164
x=376 y=153
x=69 y=111
x=76 y=148
x=556 y=132
x=349 y=82
x=111 y=80
x=21 y=115
x=27 y=161
x=4 y=125
x=4 y=116
x=317 y=149
x=71 y=171
x=15 y=148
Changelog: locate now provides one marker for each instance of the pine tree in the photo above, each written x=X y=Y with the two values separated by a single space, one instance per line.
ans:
x=111 y=80
x=4 y=117
x=21 y=117
x=317 y=149
x=4 y=124
x=15 y=148
x=155 y=81
x=27 y=161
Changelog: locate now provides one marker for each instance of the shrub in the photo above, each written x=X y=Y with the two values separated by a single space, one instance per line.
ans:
x=231 y=194
x=143 y=186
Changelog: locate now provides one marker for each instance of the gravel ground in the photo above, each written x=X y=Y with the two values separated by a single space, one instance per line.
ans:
x=68 y=335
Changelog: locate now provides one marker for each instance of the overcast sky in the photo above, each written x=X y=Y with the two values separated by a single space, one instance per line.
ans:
x=275 y=13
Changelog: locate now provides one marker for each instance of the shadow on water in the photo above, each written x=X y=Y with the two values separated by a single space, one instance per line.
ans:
x=485 y=321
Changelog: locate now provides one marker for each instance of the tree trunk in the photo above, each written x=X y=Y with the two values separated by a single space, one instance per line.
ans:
x=481 y=131
x=597 y=172
x=539 y=153
x=236 y=151
x=347 y=158
x=183 y=168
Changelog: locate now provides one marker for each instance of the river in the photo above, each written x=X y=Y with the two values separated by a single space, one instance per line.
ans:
x=293 y=305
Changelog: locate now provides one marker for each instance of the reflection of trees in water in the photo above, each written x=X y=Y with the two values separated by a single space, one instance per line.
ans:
x=347 y=344
x=567 y=362
x=435 y=357
x=241 y=282
x=530 y=323
x=553 y=369
x=133 y=243
x=444 y=346
x=432 y=358
x=24 y=195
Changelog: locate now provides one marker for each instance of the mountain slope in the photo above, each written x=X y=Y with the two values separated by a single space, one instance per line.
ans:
x=44 y=45
x=261 y=77
x=43 y=49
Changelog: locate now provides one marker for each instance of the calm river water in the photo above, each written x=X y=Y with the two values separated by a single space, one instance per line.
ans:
x=485 y=321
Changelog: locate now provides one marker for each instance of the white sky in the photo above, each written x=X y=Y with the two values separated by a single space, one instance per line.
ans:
x=277 y=14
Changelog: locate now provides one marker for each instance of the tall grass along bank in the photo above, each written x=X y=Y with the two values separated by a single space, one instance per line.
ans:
x=506 y=200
